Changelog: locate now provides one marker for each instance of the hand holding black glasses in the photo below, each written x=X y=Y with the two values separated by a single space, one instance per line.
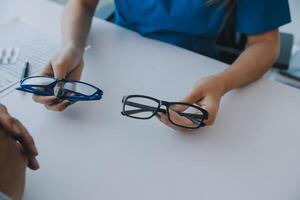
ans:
x=184 y=115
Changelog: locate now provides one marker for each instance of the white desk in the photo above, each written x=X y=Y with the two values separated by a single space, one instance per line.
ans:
x=92 y=152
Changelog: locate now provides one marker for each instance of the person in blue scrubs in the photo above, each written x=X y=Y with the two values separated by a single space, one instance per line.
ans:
x=193 y=25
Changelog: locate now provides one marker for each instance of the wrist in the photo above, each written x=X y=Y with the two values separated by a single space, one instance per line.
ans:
x=74 y=49
x=225 y=81
x=221 y=82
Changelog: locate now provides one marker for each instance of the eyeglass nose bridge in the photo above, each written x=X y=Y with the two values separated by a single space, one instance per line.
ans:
x=163 y=106
x=164 y=103
x=61 y=80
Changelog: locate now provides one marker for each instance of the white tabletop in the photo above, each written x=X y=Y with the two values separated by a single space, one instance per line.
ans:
x=92 y=152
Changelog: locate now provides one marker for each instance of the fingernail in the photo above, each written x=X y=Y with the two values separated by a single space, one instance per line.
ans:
x=36 y=151
x=35 y=163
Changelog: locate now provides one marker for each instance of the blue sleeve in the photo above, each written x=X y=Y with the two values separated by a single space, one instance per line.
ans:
x=259 y=16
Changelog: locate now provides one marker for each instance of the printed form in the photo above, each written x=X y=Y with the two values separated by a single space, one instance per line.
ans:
x=33 y=45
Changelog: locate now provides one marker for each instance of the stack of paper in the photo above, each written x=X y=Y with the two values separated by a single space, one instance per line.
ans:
x=21 y=43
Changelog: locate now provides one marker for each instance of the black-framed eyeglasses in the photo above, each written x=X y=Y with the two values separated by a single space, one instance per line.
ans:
x=181 y=114
x=70 y=90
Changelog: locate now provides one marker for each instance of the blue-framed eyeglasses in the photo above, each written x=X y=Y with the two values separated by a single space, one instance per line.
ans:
x=70 y=90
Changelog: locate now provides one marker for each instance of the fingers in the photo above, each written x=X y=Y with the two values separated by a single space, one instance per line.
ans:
x=65 y=65
x=16 y=130
x=33 y=163
x=21 y=151
x=177 y=119
x=164 y=119
x=52 y=102
x=62 y=73
x=28 y=142
x=211 y=105
x=75 y=74
x=3 y=108
x=179 y=107
x=60 y=106
x=58 y=92
x=59 y=71
x=47 y=70
x=19 y=132
x=193 y=96
x=30 y=161
x=207 y=95
x=46 y=100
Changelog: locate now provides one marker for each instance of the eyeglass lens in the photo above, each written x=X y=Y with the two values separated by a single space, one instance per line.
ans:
x=69 y=88
x=40 y=84
x=80 y=88
x=38 y=81
x=140 y=107
x=184 y=115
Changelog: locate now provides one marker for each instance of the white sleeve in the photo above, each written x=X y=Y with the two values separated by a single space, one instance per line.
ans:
x=3 y=196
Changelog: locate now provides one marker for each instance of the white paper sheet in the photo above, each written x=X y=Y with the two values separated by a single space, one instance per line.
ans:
x=35 y=47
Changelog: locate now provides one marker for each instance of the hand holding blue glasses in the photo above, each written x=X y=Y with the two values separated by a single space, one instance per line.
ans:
x=67 y=64
x=69 y=91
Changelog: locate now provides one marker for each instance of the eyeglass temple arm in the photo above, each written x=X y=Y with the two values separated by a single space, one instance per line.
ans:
x=142 y=108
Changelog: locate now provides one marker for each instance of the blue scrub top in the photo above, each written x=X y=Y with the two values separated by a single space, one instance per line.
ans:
x=195 y=24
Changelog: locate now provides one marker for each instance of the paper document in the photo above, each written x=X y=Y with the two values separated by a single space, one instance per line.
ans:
x=32 y=45
x=9 y=55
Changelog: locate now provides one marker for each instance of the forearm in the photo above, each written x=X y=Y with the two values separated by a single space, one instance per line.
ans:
x=250 y=65
x=76 y=22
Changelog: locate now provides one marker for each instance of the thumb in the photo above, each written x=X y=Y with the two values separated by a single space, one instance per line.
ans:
x=60 y=73
x=211 y=105
x=193 y=97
